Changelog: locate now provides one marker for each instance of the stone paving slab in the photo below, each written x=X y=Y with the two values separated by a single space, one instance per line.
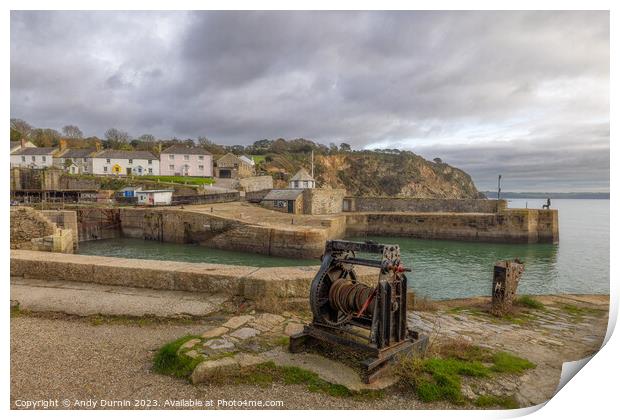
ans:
x=86 y=299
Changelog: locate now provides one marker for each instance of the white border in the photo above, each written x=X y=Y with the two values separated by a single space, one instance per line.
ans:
x=592 y=394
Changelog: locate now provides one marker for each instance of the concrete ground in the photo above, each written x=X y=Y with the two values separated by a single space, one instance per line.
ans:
x=84 y=299
x=74 y=358
x=252 y=213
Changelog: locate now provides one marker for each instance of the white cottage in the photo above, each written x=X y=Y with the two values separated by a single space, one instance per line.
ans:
x=154 y=197
x=123 y=162
x=33 y=157
x=302 y=179
x=75 y=161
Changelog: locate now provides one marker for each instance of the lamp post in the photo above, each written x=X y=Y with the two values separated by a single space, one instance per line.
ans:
x=499 y=185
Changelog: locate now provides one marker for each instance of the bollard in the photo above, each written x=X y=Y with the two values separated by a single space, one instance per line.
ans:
x=506 y=275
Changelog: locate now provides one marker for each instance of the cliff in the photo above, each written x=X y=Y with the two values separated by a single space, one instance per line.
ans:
x=369 y=173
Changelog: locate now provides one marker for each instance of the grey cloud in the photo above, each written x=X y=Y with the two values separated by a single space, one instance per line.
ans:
x=505 y=84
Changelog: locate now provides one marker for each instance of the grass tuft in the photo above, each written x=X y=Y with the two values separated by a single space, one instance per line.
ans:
x=507 y=402
x=169 y=361
x=529 y=302
x=508 y=363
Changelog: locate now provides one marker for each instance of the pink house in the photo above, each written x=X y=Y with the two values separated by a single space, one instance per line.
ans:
x=182 y=160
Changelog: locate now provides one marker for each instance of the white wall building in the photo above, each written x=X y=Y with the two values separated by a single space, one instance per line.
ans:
x=33 y=157
x=154 y=197
x=75 y=161
x=122 y=162
x=302 y=179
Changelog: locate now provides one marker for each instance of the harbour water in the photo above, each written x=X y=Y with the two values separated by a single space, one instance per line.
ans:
x=448 y=269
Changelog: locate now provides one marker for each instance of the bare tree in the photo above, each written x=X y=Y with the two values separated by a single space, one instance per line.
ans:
x=45 y=137
x=22 y=127
x=147 y=138
x=116 y=138
x=72 y=132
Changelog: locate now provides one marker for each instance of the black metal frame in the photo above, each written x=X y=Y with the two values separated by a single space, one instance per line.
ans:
x=388 y=335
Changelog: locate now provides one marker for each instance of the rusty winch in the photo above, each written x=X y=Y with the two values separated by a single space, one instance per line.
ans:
x=350 y=315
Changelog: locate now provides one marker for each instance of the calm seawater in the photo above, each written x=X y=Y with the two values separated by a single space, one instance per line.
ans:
x=447 y=269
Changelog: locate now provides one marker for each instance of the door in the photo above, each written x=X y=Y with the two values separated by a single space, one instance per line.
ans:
x=225 y=173
x=291 y=206
x=128 y=171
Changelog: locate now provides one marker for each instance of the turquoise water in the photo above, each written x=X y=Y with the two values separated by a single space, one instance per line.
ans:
x=578 y=264
x=447 y=269
x=152 y=250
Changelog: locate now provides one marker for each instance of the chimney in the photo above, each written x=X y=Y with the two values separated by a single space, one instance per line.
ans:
x=63 y=144
x=98 y=146
x=22 y=142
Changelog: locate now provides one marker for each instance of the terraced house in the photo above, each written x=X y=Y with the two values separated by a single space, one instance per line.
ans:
x=75 y=161
x=123 y=163
x=182 y=160
x=34 y=157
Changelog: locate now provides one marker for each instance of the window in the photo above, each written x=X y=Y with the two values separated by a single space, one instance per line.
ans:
x=107 y=161
x=105 y=169
x=130 y=161
x=43 y=158
x=171 y=167
x=185 y=157
x=84 y=160
x=34 y=158
x=23 y=158
x=201 y=167
x=150 y=161
x=201 y=157
x=150 y=170
x=171 y=157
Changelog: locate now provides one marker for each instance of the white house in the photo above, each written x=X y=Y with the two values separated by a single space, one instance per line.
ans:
x=123 y=162
x=16 y=145
x=75 y=161
x=302 y=179
x=187 y=161
x=33 y=157
x=154 y=197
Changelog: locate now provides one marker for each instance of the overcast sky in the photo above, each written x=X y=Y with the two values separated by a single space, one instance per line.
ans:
x=524 y=94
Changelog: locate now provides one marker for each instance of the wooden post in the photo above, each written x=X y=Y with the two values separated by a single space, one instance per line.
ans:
x=506 y=275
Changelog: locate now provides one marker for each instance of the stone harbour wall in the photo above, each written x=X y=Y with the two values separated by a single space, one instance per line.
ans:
x=256 y=183
x=271 y=289
x=323 y=200
x=32 y=230
x=423 y=205
x=510 y=226
x=180 y=226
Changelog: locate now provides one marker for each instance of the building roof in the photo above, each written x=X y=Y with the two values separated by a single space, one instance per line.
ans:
x=125 y=154
x=246 y=159
x=302 y=175
x=289 y=194
x=76 y=153
x=30 y=151
x=180 y=149
x=152 y=191
x=18 y=143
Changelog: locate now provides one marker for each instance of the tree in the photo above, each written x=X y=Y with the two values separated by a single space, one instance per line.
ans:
x=72 y=132
x=116 y=138
x=147 y=138
x=45 y=137
x=21 y=127
x=437 y=160
x=210 y=147
x=344 y=147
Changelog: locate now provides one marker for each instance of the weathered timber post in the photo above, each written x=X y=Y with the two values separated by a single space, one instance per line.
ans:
x=506 y=275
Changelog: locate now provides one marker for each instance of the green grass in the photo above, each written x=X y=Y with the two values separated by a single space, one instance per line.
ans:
x=439 y=378
x=190 y=180
x=266 y=373
x=168 y=362
x=258 y=158
x=509 y=363
x=485 y=401
x=529 y=302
